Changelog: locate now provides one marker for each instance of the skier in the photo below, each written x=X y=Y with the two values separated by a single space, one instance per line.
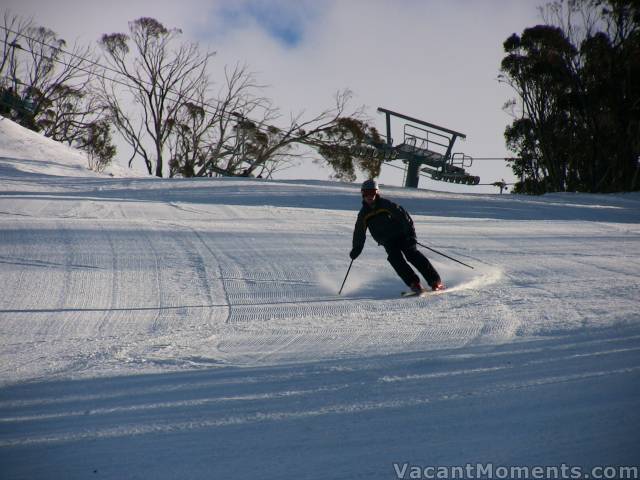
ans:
x=392 y=227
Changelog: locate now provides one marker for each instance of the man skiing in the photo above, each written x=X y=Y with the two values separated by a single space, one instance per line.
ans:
x=392 y=227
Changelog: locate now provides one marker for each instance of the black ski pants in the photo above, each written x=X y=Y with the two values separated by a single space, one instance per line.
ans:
x=398 y=250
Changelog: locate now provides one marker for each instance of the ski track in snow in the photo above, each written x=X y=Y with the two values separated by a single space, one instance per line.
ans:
x=150 y=282
x=123 y=299
x=431 y=406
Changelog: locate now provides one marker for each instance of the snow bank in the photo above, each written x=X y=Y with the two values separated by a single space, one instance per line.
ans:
x=31 y=152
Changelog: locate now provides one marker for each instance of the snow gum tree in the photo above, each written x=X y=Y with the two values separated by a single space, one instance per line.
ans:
x=254 y=146
x=207 y=135
x=332 y=132
x=156 y=77
x=577 y=112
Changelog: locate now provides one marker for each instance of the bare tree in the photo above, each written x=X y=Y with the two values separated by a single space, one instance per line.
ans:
x=40 y=75
x=204 y=138
x=53 y=74
x=332 y=132
x=47 y=88
x=159 y=80
x=11 y=103
x=190 y=128
x=13 y=29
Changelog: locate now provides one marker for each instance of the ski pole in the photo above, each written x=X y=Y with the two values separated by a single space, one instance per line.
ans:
x=447 y=256
x=345 y=278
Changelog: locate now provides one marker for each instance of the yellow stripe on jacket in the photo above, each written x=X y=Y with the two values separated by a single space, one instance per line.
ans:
x=374 y=213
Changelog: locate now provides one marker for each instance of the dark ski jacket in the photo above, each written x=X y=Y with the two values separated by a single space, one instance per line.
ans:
x=387 y=221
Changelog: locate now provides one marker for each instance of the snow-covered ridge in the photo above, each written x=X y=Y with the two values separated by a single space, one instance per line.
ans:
x=32 y=152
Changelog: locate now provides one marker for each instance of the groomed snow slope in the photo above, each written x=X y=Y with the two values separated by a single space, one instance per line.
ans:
x=123 y=299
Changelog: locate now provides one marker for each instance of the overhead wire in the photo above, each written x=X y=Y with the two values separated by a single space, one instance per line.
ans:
x=113 y=70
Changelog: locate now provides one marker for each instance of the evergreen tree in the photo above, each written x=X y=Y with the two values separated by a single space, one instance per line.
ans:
x=578 y=125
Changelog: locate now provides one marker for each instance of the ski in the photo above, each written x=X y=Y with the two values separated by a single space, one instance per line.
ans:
x=422 y=293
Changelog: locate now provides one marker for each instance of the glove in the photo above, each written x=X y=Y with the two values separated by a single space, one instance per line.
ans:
x=353 y=254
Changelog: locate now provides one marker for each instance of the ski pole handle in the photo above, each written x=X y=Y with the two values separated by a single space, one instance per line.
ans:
x=345 y=278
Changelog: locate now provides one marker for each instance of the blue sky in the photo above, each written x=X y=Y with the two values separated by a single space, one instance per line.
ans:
x=283 y=20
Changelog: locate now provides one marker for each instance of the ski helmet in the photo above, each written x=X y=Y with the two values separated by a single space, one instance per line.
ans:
x=369 y=185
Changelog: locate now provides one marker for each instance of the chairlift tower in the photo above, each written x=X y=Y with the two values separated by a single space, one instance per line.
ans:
x=428 y=148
